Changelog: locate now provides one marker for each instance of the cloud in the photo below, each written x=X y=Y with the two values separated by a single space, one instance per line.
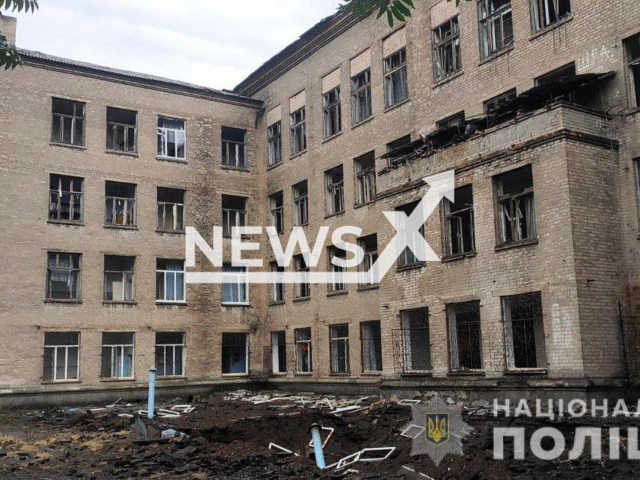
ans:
x=215 y=43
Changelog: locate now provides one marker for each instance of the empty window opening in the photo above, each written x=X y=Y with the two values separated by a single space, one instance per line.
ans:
x=274 y=143
x=361 y=106
x=61 y=356
x=303 y=350
x=524 y=331
x=119 y=285
x=334 y=180
x=413 y=239
x=632 y=47
x=234 y=147
x=170 y=354
x=277 y=285
x=303 y=287
x=301 y=204
x=278 y=352
x=369 y=245
x=170 y=209
x=559 y=75
x=457 y=119
x=63 y=276
x=398 y=143
x=459 y=230
x=120 y=201
x=276 y=206
x=121 y=130
x=298 y=131
x=170 y=280
x=234 y=213
x=446 y=50
x=235 y=286
x=338 y=280
x=171 y=138
x=516 y=206
x=496 y=26
x=465 y=337
x=396 y=89
x=65 y=198
x=68 y=121
x=332 y=112
x=117 y=355
x=366 y=177
x=371 y=347
x=339 y=348
x=548 y=12
x=416 y=347
x=493 y=106
x=235 y=353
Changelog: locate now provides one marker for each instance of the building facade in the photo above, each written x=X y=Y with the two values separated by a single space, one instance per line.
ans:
x=534 y=105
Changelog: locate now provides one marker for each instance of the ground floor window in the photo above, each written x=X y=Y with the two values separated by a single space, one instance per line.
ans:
x=524 y=331
x=170 y=351
x=465 y=337
x=371 y=346
x=117 y=355
x=235 y=353
x=303 y=350
x=278 y=352
x=61 y=356
x=416 y=349
x=339 y=348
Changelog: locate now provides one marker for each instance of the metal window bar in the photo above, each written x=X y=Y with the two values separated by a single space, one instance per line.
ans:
x=446 y=50
x=395 y=78
x=524 y=331
x=361 y=105
x=465 y=337
x=411 y=343
x=496 y=26
x=66 y=203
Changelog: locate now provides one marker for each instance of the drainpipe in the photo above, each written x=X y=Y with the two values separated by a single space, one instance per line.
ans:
x=152 y=392
x=317 y=445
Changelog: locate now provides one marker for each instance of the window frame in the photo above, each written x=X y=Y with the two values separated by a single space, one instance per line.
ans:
x=113 y=347
x=71 y=269
x=126 y=201
x=369 y=260
x=406 y=334
x=486 y=27
x=124 y=273
x=309 y=346
x=334 y=191
x=453 y=333
x=538 y=333
x=335 y=341
x=303 y=271
x=406 y=254
x=276 y=349
x=238 y=276
x=163 y=139
x=274 y=143
x=338 y=274
x=376 y=347
x=74 y=118
x=300 y=204
x=277 y=212
x=240 y=148
x=172 y=346
x=298 y=131
x=540 y=16
x=448 y=216
x=633 y=70
x=332 y=113
x=115 y=126
x=178 y=211
x=54 y=366
x=391 y=75
x=361 y=98
x=246 y=352
x=512 y=200
x=365 y=178
x=440 y=47
x=60 y=193
x=175 y=273
x=239 y=216
x=277 y=289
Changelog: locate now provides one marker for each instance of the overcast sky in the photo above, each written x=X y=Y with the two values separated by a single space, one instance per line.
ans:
x=215 y=43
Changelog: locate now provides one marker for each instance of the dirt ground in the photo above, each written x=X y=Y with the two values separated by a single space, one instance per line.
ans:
x=229 y=438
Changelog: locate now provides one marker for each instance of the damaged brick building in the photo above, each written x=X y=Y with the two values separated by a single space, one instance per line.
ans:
x=535 y=104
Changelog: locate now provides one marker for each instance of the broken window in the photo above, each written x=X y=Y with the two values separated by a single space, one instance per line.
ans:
x=61 y=356
x=459 y=221
x=396 y=89
x=332 y=112
x=371 y=346
x=451 y=120
x=276 y=205
x=516 y=208
x=334 y=180
x=301 y=203
x=63 y=276
x=278 y=352
x=170 y=209
x=171 y=138
x=277 y=285
x=274 y=143
x=303 y=350
x=465 y=338
x=303 y=288
x=298 y=131
x=408 y=256
x=235 y=286
x=120 y=201
x=170 y=286
x=524 y=331
x=369 y=245
x=65 y=198
x=233 y=213
x=117 y=355
x=398 y=143
x=548 y=12
x=170 y=351
x=446 y=50
x=366 y=177
x=559 y=75
x=235 y=353
x=496 y=26
x=68 y=121
x=119 y=278
x=361 y=107
x=493 y=105
x=339 y=348
x=632 y=47
x=121 y=129
x=234 y=147
x=338 y=281
x=416 y=347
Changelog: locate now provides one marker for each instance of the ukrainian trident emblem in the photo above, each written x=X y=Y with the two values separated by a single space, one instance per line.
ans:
x=437 y=428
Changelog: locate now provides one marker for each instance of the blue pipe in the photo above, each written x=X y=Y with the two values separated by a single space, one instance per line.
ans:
x=317 y=445
x=152 y=393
